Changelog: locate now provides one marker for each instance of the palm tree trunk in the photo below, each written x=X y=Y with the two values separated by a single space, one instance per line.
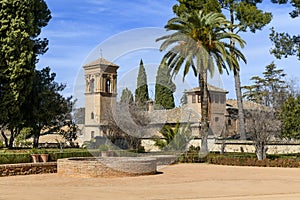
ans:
x=240 y=105
x=238 y=91
x=204 y=112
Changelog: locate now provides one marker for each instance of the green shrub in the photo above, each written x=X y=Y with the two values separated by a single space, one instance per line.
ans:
x=8 y=158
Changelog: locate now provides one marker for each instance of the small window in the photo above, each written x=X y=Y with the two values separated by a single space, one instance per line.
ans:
x=199 y=98
x=211 y=98
x=216 y=98
x=92 y=115
x=193 y=98
x=229 y=122
x=222 y=99
x=92 y=134
x=216 y=119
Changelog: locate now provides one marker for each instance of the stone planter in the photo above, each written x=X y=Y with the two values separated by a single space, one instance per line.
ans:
x=44 y=157
x=35 y=157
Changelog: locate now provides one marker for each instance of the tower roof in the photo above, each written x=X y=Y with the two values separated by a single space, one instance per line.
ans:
x=101 y=61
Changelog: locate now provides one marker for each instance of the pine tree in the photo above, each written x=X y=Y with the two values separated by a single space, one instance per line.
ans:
x=269 y=90
x=164 y=89
x=141 y=92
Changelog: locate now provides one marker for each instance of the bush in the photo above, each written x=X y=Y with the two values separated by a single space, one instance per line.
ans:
x=252 y=161
x=8 y=158
x=192 y=156
x=23 y=156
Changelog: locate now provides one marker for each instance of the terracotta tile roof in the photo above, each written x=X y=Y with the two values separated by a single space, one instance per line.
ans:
x=181 y=114
x=210 y=88
x=101 y=61
x=248 y=105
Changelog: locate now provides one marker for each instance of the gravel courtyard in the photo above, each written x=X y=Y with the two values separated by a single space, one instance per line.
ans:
x=181 y=181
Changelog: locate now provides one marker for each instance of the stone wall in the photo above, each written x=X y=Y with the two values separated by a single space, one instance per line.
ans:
x=248 y=146
x=106 y=166
x=27 y=168
x=234 y=146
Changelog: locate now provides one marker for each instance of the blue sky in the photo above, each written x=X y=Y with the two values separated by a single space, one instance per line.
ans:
x=126 y=32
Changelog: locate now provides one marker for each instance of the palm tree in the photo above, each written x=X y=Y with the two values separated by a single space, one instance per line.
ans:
x=175 y=139
x=199 y=42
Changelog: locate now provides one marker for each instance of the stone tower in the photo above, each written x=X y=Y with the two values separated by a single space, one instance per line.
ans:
x=100 y=96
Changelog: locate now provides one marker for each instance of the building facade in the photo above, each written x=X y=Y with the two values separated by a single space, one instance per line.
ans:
x=216 y=107
x=101 y=100
x=100 y=96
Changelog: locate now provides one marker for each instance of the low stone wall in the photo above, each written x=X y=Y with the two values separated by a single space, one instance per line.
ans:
x=106 y=167
x=215 y=145
x=248 y=147
x=27 y=168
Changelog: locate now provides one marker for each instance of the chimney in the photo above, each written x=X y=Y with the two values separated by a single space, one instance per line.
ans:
x=150 y=106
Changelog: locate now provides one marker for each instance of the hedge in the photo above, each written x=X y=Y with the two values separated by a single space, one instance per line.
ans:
x=12 y=158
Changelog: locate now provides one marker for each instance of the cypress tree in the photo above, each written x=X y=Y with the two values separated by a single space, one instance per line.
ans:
x=141 y=92
x=164 y=89
x=21 y=24
x=127 y=97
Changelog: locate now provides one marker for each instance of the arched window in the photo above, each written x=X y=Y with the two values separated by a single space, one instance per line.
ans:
x=107 y=85
x=193 y=98
x=92 y=115
x=92 y=85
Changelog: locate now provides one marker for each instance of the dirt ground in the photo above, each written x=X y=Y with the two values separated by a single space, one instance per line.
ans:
x=181 y=181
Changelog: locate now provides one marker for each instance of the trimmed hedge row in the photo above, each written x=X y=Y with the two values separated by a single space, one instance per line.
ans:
x=241 y=159
x=244 y=161
x=192 y=156
x=13 y=158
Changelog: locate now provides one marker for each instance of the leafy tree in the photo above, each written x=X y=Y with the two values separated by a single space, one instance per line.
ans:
x=175 y=139
x=141 y=92
x=262 y=130
x=21 y=24
x=286 y=44
x=198 y=42
x=243 y=15
x=164 y=88
x=126 y=97
x=269 y=90
x=125 y=125
x=289 y=115
x=46 y=109
x=293 y=87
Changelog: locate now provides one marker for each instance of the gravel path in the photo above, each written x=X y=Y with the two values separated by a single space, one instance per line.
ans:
x=181 y=181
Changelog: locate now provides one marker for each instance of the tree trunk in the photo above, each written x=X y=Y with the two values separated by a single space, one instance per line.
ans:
x=5 y=138
x=36 y=137
x=261 y=151
x=36 y=141
x=238 y=91
x=11 y=139
x=204 y=112
x=240 y=105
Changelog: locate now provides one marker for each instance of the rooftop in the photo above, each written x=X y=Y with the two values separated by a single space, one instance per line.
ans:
x=248 y=105
x=101 y=61
x=210 y=88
